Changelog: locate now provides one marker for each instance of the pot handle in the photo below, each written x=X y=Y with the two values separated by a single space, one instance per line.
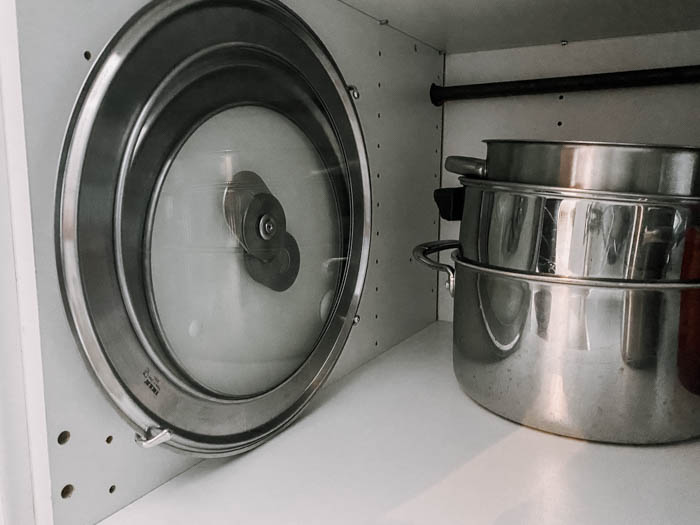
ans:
x=422 y=251
x=450 y=202
x=468 y=166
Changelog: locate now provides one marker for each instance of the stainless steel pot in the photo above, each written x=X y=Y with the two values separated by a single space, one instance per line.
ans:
x=577 y=233
x=585 y=358
x=631 y=168
x=576 y=287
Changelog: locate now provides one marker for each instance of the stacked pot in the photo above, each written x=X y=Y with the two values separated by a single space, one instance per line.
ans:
x=577 y=286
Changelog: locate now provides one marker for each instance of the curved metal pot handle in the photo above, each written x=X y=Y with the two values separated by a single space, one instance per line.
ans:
x=422 y=251
x=467 y=166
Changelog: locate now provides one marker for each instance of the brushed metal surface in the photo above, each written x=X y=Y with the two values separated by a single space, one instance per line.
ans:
x=575 y=359
x=666 y=170
x=597 y=166
x=602 y=360
x=575 y=233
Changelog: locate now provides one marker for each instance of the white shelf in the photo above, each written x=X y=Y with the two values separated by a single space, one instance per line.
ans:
x=461 y=26
x=398 y=442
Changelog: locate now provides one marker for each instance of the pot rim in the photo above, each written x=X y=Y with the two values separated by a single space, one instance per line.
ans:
x=573 y=281
x=542 y=190
x=633 y=145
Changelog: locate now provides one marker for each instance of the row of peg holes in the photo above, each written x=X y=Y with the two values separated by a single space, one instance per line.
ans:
x=67 y=490
x=64 y=436
x=379 y=116
x=435 y=175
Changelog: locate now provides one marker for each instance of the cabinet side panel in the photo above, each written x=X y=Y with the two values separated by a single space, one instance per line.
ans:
x=24 y=462
x=402 y=131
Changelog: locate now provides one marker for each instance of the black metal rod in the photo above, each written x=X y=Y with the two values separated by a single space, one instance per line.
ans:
x=622 y=79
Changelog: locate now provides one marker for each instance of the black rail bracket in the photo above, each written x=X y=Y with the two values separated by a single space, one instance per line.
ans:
x=617 y=80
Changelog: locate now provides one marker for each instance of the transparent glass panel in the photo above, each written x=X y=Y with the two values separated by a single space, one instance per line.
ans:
x=230 y=329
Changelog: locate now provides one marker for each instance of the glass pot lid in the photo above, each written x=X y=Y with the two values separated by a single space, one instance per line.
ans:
x=213 y=222
x=246 y=251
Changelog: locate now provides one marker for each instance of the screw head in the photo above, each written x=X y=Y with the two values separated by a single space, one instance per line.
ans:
x=354 y=92
x=356 y=320
x=267 y=227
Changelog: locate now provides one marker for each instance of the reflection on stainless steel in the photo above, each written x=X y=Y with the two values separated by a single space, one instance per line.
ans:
x=543 y=311
x=689 y=330
x=330 y=263
x=642 y=328
x=504 y=307
x=137 y=109
x=575 y=233
x=610 y=385
x=575 y=365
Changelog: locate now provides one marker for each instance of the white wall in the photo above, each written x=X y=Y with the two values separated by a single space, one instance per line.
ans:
x=14 y=448
x=462 y=26
x=24 y=480
x=665 y=115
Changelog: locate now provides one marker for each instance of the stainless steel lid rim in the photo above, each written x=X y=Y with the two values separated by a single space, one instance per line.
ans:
x=168 y=128
x=573 y=281
x=632 y=145
x=238 y=431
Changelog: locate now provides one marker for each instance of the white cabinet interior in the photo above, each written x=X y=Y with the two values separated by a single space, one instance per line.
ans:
x=391 y=50
x=462 y=26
